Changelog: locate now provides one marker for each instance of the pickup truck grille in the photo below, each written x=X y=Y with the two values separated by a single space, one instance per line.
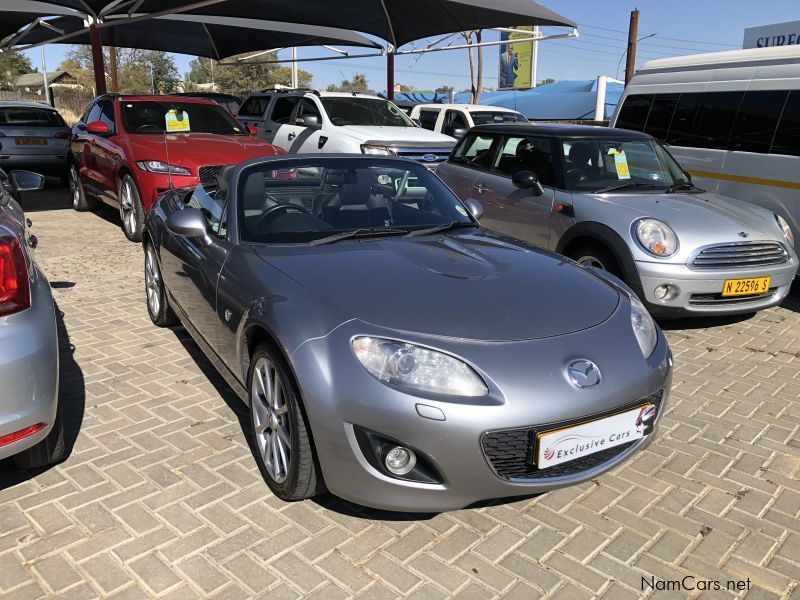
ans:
x=740 y=255
x=426 y=156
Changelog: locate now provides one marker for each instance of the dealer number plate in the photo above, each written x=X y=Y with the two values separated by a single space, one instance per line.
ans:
x=562 y=445
x=745 y=287
x=31 y=141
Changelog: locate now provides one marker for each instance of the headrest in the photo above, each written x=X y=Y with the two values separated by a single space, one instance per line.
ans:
x=579 y=153
x=340 y=177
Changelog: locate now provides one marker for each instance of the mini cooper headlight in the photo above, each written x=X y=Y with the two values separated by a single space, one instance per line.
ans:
x=787 y=231
x=417 y=368
x=656 y=237
x=644 y=328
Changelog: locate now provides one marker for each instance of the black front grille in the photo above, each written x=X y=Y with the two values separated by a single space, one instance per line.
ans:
x=741 y=255
x=208 y=175
x=508 y=451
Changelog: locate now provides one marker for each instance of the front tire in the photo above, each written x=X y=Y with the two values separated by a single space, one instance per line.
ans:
x=80 y=201
x=130 y=209
x=596 y=256
x=50 y=451
x=157 y=302
x=284 y=450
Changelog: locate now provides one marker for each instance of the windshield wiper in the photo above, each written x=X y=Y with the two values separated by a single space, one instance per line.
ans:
x=684 y=186
x=629 y=184
x=359 y=233
x=441 y=228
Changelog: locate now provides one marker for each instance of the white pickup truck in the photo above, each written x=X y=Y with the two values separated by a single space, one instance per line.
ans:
x=456 y=119
x=307 y=121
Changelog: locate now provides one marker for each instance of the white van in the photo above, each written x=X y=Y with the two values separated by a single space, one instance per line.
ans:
x=732 y=119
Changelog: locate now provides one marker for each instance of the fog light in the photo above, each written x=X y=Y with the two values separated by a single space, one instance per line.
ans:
x=666 y=292
x=400 y=460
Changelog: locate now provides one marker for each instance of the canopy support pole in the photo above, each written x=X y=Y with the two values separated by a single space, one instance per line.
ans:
x=97 y=59
x=390 y=75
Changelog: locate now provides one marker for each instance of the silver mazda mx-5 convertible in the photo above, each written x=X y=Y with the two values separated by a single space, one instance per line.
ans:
x=390 y=349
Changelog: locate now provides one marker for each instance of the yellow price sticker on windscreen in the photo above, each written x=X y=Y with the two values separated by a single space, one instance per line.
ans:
x=621 y=164
x=177 y=121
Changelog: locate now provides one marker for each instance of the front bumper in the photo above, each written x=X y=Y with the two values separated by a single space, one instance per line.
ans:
x=29 y=369
x=527 y=388
x=700 y=290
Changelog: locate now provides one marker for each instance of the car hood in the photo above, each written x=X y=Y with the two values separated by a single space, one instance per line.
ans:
x=188 y=150
x=412 y=136
x=697 y=219
x=469 y=286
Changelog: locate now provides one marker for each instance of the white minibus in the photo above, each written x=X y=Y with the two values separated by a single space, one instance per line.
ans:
x=732 y=119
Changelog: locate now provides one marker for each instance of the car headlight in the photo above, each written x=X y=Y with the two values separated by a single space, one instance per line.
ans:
x=156 y=166
x=644 y=328
x=417 y=368
x=372 y=149
x=787 y=231
x=656 y=237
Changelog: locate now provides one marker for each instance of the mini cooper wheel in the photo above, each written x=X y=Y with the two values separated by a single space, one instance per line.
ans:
x=284 y=450
x=80 y=201
x=597 y=257
x=130 y=209
x=157 y=302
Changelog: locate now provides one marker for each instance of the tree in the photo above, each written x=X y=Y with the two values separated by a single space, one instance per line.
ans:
x=138 y=71
x=547 y=81
x=201 y=70
x=445 y=89
x=243 y=77
x=475 y=66
x=13 y=64
x=358 y=84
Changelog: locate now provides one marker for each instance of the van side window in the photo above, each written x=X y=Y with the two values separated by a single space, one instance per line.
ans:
x=787 y=137
x=681 y=132
x=714 y=121
x=757 y=120
x=633 y=114
x=428 y=117
x=661 y=115
x=255 y=106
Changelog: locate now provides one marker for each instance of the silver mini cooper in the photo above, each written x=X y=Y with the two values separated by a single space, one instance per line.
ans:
x=617 y=200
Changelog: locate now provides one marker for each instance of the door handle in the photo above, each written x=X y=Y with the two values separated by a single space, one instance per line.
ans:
x=33 y=241
x=292 y=136
x=481 y=188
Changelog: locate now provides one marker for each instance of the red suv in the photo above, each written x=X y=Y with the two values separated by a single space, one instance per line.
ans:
x=126 y=150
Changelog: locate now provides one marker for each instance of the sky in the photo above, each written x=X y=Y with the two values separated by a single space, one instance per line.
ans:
x=681 y=27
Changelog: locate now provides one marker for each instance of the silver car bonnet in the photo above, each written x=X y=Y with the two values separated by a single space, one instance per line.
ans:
x=461 y=286
x=697 y=219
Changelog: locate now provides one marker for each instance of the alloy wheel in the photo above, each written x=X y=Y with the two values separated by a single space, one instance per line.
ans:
x=268 y=402
x=127 y=208
x=591 y=261
x=152 y=279
x=74 y=186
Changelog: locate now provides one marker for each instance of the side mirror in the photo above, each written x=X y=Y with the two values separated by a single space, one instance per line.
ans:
x=190 y=223
x=527 y=180
x=252 y=129
x=310 y=121
x=459 y=132
x=474 y=207
x=26 y=181
x=98 y=128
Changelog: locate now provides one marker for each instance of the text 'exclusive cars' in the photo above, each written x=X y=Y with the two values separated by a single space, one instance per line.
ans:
x=390 y=349
x=617 y=200
x=126 y=150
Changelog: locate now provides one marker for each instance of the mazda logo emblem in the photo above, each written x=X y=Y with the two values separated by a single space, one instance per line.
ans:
x=583 y=373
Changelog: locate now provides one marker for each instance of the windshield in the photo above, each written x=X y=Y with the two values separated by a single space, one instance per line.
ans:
x=351 y=110
x=304 y=201
x=487 y=117
x=595 y=164
x=148 y=117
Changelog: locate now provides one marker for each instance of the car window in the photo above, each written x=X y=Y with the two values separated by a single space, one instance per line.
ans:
x=24 y=116
x=308 y=107
x=93 y=114
x=634 y=111
x=488 y=117
x=353 y=110
x=523 y=153
x=682 y=129
x=660 y=116
x=428 y=117
x=304 y=200
x=715 y=117
x=476 y=151
x=787 y=136
x=152 y=117
x=107 y=115
x=211 y=202
x=255 y=106
x=757 y=120
x=282 y=111
x=454 y=119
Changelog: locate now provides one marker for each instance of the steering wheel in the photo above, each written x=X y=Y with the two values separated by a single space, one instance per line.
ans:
x=576 y=175
x=148 y=126
x=272 y=213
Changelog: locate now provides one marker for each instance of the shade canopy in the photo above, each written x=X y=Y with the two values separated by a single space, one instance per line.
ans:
x=199 y=35
x=397 y=21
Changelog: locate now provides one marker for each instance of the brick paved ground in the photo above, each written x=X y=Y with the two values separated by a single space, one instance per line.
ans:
x=160 y=496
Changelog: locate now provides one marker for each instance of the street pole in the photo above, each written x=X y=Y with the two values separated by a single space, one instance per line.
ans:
x=112 y=67
x=390 y=75
x=295 y=81
x=534 y=57
x=97 y=59
x=44 y=74
x=633 y=33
